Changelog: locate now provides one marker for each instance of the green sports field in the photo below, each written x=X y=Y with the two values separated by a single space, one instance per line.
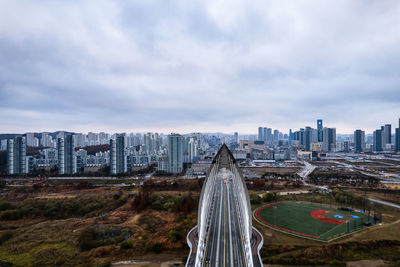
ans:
x=310 y=221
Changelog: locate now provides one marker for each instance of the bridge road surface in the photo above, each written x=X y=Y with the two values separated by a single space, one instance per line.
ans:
x=224 y=246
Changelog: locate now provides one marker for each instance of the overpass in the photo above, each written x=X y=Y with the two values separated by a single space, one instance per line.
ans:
x=224 y=235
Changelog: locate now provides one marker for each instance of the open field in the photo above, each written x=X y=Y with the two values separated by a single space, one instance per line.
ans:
x=65 y=226
x=158 y=217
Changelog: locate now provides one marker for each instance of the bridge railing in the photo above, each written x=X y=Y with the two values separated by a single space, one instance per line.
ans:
x=244 y=212
x=205 y=206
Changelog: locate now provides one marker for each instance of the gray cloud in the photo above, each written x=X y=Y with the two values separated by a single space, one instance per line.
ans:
x=198 y=65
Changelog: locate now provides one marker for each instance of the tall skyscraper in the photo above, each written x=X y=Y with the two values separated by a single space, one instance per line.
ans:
x=386 y=136
x=359 y=141
x=16 y=155
x=236 y=137
x=320 y=131
x=265 y=134
x=276 y=136
x=61 y=155
x=378 y=145
x=260 y=134
x=397 y=138
x=329 y=139
x=191 y=148
x=118 y=160
x=175 y=153
x=46 y=140
x=79 y=140
x=301 y=136
x=31 y=140
x=66 y=155
x=69 y=149
x=307 y=138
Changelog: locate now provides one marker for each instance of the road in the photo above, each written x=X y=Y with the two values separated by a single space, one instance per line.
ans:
x=224 y=245
x=306 y=170
x=384 y=203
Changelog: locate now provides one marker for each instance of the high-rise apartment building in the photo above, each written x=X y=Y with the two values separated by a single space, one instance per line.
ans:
x=397 y=138
x=387 y=130
x=260 y=134
x=386 y=137
x=301 y=136
x=79 y=140
x=320 y=130
x=61 y=156
x=31 y=140
x=16 y=155
x=191 y=149
x=276 y=136
x=66 y=155
x=329 y=139
x=359 y=141
x=118 y=160
x=269 y=136
x=236 y=137
x=378 y=138
x=175 y=153
x=308 y=134
x=46 y=140
x=265 y=135
x=69 y=150
x=291 y=136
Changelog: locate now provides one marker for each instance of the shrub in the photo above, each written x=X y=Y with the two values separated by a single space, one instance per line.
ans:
x=10 y=215
x=88 y=239
x=104 y=263
x=174 y=235
x=255 y=199
x=4 y=237
x=5 y=263
x=157 y=205
x=4 y=205
x=157 y=247
x=268 y=197
x=127 y=244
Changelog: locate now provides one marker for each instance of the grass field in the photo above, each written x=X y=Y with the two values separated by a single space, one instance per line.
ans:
x=311 y=221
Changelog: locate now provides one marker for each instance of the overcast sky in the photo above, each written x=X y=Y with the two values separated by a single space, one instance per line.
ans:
x=183 y=66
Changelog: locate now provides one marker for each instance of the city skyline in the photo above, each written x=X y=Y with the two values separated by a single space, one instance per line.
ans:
x=252 y=132
x=198 y=66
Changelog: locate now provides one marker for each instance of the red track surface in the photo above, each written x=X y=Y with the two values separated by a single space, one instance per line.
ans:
x=275 y=226
x=320 y=216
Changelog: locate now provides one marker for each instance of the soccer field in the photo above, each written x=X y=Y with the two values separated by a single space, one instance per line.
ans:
x=311 y=221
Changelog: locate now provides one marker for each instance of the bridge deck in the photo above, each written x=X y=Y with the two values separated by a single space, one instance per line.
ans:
x=224 y=246
x=222 y=229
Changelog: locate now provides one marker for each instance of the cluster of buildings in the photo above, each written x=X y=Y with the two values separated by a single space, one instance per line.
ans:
x=325 y=140
x=126 y=153
x=68 y=153
x=314 y=143
x=311 y=139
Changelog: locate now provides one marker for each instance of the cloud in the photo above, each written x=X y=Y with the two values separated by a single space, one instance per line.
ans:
x=198 y=65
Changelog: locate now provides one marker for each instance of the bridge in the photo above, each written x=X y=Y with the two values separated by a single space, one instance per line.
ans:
x=224 y=235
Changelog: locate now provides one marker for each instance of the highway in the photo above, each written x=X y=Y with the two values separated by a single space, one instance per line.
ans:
x=224 y=246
